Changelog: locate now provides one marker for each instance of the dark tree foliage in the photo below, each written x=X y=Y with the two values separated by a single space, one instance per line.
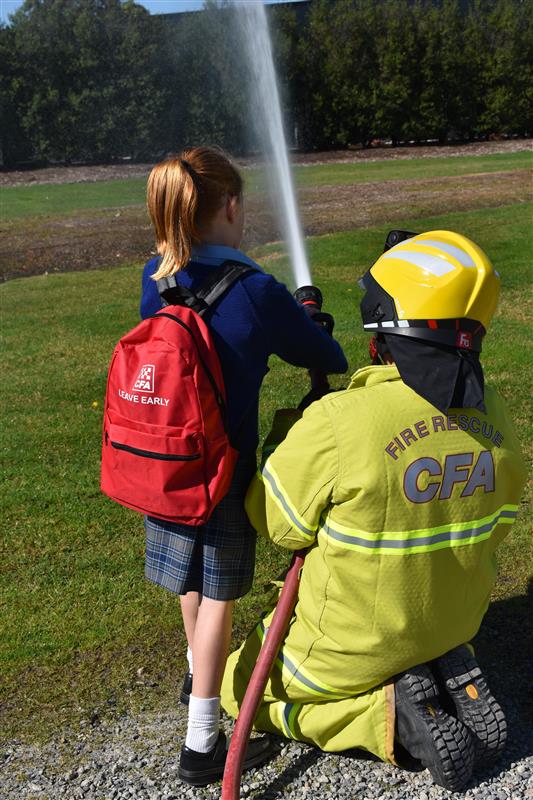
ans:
x=102 y=79
x=337 y=81
x=504 y=45
x=84 y=79
x=412 y=70
x=15 y=146
x=285 y=34
x=396 y=71
x=203 y=80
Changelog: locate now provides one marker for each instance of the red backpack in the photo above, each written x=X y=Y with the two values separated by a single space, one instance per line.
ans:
x=165 y=450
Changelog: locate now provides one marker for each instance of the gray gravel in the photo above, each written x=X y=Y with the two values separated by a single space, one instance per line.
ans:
x=136 y=758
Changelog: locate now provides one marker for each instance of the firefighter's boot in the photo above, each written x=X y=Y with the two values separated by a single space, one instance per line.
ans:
x=442 y=743
x=461 y=678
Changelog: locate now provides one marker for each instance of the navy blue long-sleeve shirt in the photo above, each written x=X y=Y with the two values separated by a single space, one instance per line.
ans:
x=257 y=317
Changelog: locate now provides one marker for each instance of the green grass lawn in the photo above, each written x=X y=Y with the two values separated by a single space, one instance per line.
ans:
x=78 y=617
x=27 y=201
x=337 y=174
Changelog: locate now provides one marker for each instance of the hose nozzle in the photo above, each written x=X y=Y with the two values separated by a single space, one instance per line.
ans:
x=309 y=296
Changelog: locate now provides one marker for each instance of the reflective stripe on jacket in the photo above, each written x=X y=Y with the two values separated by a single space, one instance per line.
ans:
x=401 y=509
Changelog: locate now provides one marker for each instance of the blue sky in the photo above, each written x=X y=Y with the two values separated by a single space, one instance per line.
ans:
x=7 y=7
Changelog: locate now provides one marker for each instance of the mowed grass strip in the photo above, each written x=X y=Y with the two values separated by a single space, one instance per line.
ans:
x=79 y=620
x=360 y=172
x=24 y=201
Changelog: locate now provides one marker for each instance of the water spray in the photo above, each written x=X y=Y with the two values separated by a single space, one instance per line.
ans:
x=270 y=127
x=269 y=124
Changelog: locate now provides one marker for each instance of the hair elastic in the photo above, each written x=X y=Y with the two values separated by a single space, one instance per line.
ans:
x=192 y=172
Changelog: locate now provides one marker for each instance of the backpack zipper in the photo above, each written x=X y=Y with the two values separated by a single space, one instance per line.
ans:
x=150 y=454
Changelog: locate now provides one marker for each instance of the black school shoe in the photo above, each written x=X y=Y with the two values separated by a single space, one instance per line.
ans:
x=200 y=769
x=186 y=689
x=461 y=678
x=441 y=742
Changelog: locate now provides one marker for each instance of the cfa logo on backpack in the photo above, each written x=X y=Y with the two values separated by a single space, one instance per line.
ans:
x=169 y=455
x=145 y=379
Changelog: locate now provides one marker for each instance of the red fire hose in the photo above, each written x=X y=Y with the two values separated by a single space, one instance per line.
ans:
x=231 y=782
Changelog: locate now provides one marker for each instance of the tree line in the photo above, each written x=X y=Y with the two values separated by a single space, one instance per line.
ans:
x=98 y=80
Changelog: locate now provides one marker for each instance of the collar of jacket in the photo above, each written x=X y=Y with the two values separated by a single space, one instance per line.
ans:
x=372 y=375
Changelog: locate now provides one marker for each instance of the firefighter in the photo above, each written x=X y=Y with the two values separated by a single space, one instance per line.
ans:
x=401 y=488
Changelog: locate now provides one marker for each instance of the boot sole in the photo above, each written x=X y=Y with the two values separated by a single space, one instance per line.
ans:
x=204 y=778
x=442 y=743
x=475 y=706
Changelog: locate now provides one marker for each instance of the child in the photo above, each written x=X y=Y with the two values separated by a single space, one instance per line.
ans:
x=196 y=206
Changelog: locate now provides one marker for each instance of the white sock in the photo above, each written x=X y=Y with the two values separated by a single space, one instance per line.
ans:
x=189 y=659
x=203 y=723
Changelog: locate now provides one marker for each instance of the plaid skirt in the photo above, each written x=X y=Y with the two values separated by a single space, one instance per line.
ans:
x=217 y=559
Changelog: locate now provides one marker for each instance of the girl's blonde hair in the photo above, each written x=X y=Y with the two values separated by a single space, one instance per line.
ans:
x=183 y=194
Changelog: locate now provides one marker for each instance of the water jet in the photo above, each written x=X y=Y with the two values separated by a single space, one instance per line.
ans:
x=268 y=121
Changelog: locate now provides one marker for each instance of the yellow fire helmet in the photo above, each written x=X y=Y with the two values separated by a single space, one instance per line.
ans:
x=437 y=286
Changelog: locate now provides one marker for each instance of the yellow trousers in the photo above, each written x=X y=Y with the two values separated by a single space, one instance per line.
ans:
x=291 y=709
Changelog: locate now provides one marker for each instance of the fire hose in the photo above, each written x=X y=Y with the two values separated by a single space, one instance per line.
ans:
x=311 y=298
x=231 y=781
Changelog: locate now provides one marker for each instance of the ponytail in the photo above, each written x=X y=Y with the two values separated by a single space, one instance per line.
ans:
x=183 y=195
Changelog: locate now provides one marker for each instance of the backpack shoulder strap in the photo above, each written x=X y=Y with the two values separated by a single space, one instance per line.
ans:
x=221 y=280
x=211 y=290
x=172 y=294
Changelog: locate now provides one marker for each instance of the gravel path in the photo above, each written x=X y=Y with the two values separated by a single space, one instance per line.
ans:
x=136 y=758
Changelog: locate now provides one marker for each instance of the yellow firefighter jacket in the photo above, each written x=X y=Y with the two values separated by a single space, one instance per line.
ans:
x=401 y=509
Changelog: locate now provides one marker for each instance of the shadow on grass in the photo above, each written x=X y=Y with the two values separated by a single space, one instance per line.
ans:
x=504 y=648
